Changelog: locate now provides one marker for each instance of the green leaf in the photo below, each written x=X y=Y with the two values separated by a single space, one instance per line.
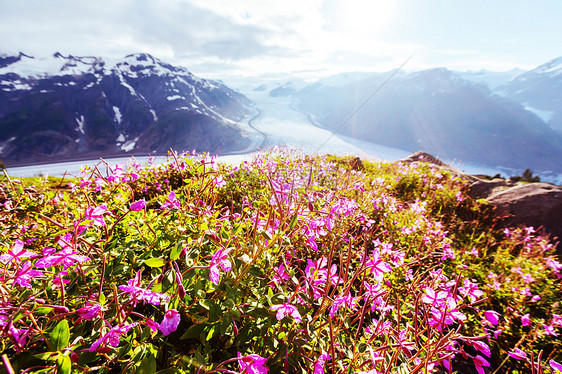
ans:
x=211 y=333
x=42 y=310
x=169 y=371
x=64 y=365
x=225 y=323
x=193 y=332
x=147 y=365
x=60 y=336
x=168 y=280
x=45 y=356
x=155 y=262
x=175 y=252
x=293 y=221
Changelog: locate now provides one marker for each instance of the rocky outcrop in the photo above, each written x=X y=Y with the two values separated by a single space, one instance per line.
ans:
x=519 y=203
x=531 y=204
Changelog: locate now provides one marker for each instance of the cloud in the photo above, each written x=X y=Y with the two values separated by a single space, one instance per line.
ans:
x=261 y=36
x=117 y=27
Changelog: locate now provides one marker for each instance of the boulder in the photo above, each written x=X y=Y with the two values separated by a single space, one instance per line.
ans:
x=518 y=203
x=531 y=204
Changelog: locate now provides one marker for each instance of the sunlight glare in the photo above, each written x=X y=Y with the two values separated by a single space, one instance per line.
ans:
x=364 y=18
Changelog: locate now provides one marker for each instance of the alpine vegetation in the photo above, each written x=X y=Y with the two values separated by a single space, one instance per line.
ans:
x=283 y=264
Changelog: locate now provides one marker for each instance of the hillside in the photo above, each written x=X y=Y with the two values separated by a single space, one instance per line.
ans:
x=285 y=263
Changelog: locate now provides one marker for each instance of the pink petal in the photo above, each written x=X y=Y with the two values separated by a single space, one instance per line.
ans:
x=555 y=365
x=170 y=322
x=138 y=205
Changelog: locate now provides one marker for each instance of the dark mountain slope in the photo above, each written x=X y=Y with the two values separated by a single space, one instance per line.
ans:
x=73 y=107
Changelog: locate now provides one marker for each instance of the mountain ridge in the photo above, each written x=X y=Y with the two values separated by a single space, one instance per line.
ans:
x=63 y=107
x=440 y=112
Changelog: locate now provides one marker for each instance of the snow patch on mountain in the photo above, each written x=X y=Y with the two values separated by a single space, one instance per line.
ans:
x=3 y=145
x=117 y=115
x=544 y=115
x=175 y=97
x=80 y=121
x=551 y=68
x=129 y=145
x=154 y=116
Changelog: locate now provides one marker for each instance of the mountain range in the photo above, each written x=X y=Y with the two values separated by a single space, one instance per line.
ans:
x=511 y=120
x=68 y=107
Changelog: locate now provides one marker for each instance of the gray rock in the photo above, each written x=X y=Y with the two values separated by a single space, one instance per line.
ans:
x=531 y=204
x=518 y=203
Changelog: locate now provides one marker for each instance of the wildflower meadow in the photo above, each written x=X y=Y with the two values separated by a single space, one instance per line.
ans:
x=283 y=264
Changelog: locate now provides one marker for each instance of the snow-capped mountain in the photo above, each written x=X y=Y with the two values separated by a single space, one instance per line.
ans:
x=65 y=107
x=540 y=91
x=492 y=79
x=440 y=112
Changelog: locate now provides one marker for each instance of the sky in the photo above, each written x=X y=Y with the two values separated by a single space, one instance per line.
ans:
x=305 y=38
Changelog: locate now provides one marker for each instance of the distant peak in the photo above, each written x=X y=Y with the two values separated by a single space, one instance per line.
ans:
x=553 y=66
x=141 y=57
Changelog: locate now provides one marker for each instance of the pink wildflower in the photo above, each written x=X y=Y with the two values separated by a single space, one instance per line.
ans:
x=347 y=301
x=525 y=320
x=219 y=181
x=284 y=310
x=154 y=326
x=557 y=319
x=555 y=265
x=517 y=354
x=320 y=363
x=18 y=336
x=480 y=362
x=492 y=316
x=113 y=337
x=279 y=276
x=24 y=275
x=432 y=297
x=89 y=312
x=95 y=215
x=252 y=364
x=377 y=266
x=549 y=330
x=137 y=293
x=482 y=347
x=220 y=258
x=17 y=253
x=172 y=202
x=58 y=279
x=66 y=257
x=470 y=290
x=138 y=205
x=555 y=366
x=170 y=322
